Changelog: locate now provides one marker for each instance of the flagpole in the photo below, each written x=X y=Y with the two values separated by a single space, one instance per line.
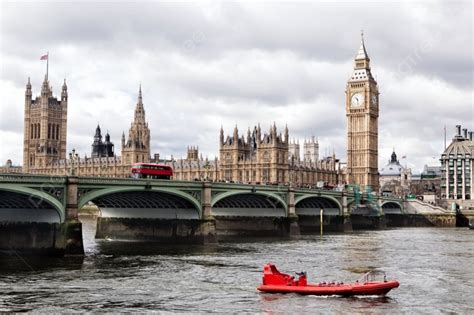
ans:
x=47 y=65
x=445 y=137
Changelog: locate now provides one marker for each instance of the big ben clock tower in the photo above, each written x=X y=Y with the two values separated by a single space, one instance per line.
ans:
x=362 y=111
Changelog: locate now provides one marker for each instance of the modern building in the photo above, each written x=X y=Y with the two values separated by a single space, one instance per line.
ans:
x=362 y=111
x=457 y=162
x=427 y=184
x=102 y=148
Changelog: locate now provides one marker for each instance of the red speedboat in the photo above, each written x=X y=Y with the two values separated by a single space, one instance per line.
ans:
x=277 y=282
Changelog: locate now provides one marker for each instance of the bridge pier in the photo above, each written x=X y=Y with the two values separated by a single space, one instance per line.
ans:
x=346 y=214
x=45 y=230
x=71 y=230
x=294 y=227
x=179 y=231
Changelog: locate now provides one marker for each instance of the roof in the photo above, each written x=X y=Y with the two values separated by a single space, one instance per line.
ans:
x=392 y=169
x=362 y=53
x=460 y=146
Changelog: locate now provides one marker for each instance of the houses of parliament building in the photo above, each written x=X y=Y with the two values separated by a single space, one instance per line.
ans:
x=257 y=157
x=260 y=157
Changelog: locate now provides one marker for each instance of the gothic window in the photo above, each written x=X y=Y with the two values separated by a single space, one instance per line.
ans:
x=266 y=157
x=228 y=157
x=31 y=131
x=265 y=175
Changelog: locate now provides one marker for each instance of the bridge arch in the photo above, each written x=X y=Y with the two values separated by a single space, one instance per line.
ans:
x=311 y=205
x=24 y=204
x=391 y=207
x=246 y=203
x=139 y=202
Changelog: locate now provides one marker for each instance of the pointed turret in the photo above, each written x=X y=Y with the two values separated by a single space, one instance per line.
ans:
x=123 y=139
x=362 y=53
x=236 y=133
x=98 y=134
x=393 y=158
x=362 y=60
x=221 y=135
x=286 y=133
x=139 y=109
x=28 y=92
x=45 y=89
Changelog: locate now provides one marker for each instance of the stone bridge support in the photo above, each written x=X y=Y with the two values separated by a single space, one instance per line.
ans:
x=72 y=227
x=39 y=216
x=346 y=214
x=294 y=229
x=208 y=222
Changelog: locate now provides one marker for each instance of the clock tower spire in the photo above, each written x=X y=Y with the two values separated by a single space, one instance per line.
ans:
x=362 y=112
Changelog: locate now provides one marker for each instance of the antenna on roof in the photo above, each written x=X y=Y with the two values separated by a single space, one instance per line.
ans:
x=444 y=137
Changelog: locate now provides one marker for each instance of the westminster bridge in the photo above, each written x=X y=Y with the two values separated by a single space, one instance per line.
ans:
x=42 y=211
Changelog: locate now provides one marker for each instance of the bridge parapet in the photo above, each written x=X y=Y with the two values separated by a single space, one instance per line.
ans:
x=31 y=179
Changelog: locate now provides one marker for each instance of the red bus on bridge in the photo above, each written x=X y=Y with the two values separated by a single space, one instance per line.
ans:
x=151 y=170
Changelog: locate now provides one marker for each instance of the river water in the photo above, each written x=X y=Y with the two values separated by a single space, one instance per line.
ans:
x=433 y=265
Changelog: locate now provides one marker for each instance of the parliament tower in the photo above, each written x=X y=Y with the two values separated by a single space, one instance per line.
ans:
x=362 y=111
x=45 y=127
x=137 y=147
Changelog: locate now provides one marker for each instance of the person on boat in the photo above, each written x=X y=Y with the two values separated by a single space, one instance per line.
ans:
x=302 y=280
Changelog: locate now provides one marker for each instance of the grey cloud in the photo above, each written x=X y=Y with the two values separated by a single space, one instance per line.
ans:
x=225 y=63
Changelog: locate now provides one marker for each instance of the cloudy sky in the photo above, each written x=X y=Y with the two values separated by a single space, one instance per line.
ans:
x=207 y=64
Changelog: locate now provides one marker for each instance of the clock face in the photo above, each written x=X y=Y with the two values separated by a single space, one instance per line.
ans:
x=357 y=100
x=374 y=99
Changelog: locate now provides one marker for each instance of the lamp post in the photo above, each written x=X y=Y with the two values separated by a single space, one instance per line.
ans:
x=73 y=157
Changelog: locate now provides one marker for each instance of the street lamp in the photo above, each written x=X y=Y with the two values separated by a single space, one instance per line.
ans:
x=73 y=157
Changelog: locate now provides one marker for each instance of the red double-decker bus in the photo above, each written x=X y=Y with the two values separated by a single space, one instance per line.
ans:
x=151 y=170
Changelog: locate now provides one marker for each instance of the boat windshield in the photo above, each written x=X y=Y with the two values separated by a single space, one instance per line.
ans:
x=374 y=275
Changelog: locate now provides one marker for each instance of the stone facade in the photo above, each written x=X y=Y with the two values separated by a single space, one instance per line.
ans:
x=45 y=127
x=311 y=150
x=46 y=149
x=259 y=158
x=137 y=147
x=394 y=179
x=294 y=150
x=9 y=168
x=362 y=111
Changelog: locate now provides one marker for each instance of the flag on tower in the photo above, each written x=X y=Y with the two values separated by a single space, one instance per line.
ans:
x=44 y=57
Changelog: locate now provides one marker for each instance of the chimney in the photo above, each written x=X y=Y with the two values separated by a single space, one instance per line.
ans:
x=458 y=130
x=470 y=135
x=465 y=133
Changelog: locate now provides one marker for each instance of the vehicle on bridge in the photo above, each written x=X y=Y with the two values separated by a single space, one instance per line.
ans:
x=277 y=282
x=151 y=170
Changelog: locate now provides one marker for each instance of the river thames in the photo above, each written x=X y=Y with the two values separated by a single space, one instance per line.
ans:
x=433 y=265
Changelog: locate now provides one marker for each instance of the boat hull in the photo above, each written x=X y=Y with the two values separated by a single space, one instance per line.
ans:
x=369 y=288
